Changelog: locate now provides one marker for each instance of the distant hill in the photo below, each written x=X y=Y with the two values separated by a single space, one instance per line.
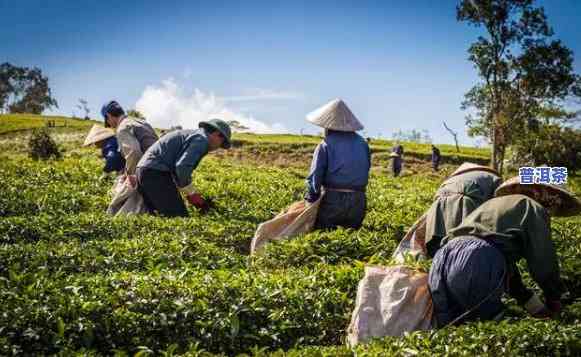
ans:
x=273 y=144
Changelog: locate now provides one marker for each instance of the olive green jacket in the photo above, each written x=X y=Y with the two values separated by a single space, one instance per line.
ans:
x=456 y=198
x=519 y=227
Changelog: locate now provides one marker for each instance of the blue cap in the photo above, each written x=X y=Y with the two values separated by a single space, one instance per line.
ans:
x=112 y=106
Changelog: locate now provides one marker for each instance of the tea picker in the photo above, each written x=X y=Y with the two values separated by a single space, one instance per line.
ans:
x=104 y=138
x=166 y=168
x=397 y=159
x=340 y=168
x=134 y=135
x=467 y=188
x=477 y=262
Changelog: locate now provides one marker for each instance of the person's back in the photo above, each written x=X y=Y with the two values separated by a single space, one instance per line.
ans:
x=436 y=158
x=165 y=170
x=456 y=198
x=486 y=246
x=509 y=222
x=142 y=130
x=164 y=155
x=340 y=168
x=348 y=158
x=479 y=185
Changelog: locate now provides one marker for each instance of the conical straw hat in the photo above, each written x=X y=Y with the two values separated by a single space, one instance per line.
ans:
x=566 y=204
x=468 y=166
x=335 y=115
x=98 y=133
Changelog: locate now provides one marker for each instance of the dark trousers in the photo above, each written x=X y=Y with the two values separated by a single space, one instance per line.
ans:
x=396 y=168
x=345 y=209
x=464 y=273
x=160 y=193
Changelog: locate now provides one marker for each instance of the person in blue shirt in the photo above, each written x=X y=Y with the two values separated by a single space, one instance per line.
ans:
x=104 y=138
x=397 y=155
x=340 y=168
x=114 y=161
x=166 y=167
x=436 y=158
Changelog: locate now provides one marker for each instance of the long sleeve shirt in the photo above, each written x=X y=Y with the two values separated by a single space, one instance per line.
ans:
x=113 y=159
x=342 y=161
x=519 y=227
x=135 y=136
x=456 y=198
x=436 y=157
x=178 y=152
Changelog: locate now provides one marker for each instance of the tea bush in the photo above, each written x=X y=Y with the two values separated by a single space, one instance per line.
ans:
x=74 y=280
x=42 y=146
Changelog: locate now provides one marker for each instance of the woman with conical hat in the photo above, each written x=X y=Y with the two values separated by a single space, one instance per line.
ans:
x=477 y=262
x=467 y=188
x=340 y=168
x=104 y=138
x=397 y=159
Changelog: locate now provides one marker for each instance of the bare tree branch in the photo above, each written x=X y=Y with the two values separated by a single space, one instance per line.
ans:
x=454 y=135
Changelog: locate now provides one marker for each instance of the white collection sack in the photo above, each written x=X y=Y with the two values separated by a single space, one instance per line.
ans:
x=390 y=302
x=126 y=199
x=300 y=217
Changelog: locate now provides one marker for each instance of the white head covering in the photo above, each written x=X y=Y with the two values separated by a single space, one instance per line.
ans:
x=98 y=133
x=335 y=115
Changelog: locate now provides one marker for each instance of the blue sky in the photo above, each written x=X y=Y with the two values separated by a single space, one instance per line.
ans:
x=397 y=64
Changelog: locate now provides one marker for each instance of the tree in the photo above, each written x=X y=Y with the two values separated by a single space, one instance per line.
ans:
x=523 y=72
x=83 y=105
x=135 y=113
x=24 y=90
x=454 y=135
x=549 y=144
x=413 y=136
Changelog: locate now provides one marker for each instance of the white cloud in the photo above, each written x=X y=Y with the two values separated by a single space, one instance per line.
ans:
x=260 y=94
x=169 y=105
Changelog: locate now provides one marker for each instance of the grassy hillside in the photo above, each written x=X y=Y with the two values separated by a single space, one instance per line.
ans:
x=74 y=280
x=295 y=149
x=16 y=122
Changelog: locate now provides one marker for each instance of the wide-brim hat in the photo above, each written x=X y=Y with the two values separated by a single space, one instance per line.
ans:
x=335 y=115
x=469 y=166
x=567 y=205
x=222 y=127
x=98 y=133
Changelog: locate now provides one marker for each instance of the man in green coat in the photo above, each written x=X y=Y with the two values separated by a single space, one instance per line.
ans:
x=477 y=262
x=467 y=188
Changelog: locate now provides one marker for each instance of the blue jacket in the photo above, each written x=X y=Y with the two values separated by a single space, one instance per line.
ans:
x=178 y=152
x=342 y=160
x=114 y=161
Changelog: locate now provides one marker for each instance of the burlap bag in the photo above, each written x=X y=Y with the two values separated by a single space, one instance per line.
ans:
x=390 y=302
x=298 y=218
x=126 y=199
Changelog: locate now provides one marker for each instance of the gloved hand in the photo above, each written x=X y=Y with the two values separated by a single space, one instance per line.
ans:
x=536 y=308
x=196 y=200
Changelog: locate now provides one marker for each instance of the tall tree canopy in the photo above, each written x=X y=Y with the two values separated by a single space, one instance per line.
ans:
x=24 y=90
x=525 y=74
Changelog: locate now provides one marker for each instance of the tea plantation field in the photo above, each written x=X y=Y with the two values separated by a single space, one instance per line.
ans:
x=75 y=281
